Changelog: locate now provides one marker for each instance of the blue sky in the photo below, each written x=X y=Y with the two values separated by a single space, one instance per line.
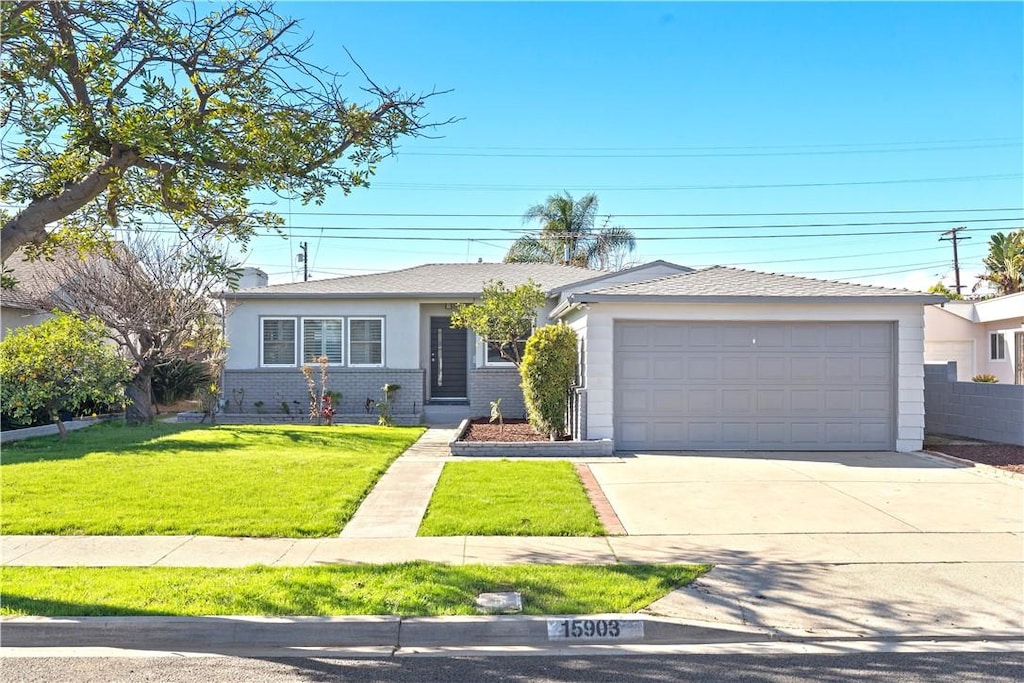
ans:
x=721 y=108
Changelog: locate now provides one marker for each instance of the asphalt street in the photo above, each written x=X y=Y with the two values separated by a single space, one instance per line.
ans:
x=920 y=667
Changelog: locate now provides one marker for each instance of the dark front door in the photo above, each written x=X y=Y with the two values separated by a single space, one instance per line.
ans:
x=447 y=360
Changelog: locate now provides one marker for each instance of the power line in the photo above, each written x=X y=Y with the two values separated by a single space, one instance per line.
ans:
x=700 y=155
x=658 y=215
x=484 y=229
x=417 y=238
x=710 y=147
x=434 y=187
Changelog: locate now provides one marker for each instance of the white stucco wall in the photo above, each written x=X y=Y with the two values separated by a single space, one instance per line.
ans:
x=13 y=318
x=401 y=326
x=950 y=329
x=596 y=322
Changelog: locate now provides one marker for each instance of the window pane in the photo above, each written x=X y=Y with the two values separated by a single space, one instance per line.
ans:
x=494 y=355
x=278 y=342
x=322 y=338
x=366 y=342
x=998 y=347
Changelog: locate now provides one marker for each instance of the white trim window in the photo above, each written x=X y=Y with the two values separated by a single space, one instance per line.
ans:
x=493 y=357
x=277 y=342
x=323 y=337
x=366 y=342
x=996 y=346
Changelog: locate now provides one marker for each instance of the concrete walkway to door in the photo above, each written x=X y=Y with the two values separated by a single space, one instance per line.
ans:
x=830 y=542
x=396 y=505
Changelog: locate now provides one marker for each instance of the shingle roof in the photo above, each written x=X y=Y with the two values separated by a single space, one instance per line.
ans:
x=36 y=280
x=433 y=279
x=720 y=283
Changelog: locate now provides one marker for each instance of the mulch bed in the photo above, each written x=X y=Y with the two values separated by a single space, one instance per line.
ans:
x=1003 y=456
x=513 y=430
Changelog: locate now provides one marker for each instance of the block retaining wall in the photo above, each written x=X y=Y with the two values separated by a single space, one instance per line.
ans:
x=975 y=410
x=521 y=449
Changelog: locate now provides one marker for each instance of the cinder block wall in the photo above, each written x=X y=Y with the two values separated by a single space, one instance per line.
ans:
x=273 y=385
x=993 y=412
x=490 y=384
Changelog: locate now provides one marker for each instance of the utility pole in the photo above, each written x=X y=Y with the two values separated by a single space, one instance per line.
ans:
x=954 y=237
x=304 y=258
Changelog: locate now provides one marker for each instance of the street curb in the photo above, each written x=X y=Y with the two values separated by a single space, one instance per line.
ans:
x=982 y=467
x=205 y=634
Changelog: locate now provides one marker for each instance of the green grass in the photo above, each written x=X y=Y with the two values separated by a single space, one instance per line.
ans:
x=413 y=589
x=510 y=498
x=167 y=479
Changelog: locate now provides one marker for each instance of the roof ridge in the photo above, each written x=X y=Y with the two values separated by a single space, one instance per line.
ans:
x=815 y=279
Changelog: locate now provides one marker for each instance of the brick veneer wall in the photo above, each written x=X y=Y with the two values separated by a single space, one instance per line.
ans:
x=976 y=410
x=490 y=384
x=273 y=385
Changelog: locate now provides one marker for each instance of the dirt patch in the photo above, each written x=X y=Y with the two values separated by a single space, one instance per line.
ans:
x=513 y=430
x=1003 y=456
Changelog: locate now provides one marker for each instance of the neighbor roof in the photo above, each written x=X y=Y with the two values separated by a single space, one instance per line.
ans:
x=720 y=283
x=36 y=280
x=433 y=279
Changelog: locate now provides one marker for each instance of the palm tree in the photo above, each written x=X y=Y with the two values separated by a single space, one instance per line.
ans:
x=1004 y=265
x=567 y=234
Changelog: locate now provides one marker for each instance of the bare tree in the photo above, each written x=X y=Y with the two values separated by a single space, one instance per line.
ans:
x=158 y=302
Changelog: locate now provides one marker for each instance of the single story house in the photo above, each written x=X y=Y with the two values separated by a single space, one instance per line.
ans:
x=671 y=358
x=983 y=337
x=35 y=283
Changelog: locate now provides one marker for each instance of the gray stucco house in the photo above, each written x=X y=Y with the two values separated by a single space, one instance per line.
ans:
x=671 y=358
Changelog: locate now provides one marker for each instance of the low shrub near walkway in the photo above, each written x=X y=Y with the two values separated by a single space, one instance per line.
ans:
x=413 y=589
x=169 y=479
x=510 y=498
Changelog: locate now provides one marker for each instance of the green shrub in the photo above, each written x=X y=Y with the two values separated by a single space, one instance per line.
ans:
x=548 y=371
x=179 y=379
x=59 y=366
x=985 y=378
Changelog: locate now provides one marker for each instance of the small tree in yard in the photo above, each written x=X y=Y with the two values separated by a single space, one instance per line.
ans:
x=60 y=364
x=503 y=317
x=548 y=371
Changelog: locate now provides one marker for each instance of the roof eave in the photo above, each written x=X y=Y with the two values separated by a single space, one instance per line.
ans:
x=585 y=298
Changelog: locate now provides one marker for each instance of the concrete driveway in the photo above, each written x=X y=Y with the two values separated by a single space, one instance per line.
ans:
x=784 y=493
x=817 y=543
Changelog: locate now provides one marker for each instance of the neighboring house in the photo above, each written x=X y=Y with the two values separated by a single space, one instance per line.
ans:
x=671 y=358
x=983 y=337
x=35 y=282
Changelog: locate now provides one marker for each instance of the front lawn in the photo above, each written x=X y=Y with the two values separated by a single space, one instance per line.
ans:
x=413 y=589
x=169 y=479
x=510 y=498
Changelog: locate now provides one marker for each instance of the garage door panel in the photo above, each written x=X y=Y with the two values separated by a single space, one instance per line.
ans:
x=635 y=401
x=772 y=368
x=805 y=336
x=703 y=335
x=702 y=402
x=737 y=402
x=879 y=369
x=702 y=367
x=771 y=336
x=666 y=336
x=736 y=368
x=740 y=336
x=634 y=368
x=806 y=368
x=668 y=400
x=778 y=386
x=805 y=401
x=667 y=368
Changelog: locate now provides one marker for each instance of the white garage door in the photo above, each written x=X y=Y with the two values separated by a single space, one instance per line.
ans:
x=754 y=386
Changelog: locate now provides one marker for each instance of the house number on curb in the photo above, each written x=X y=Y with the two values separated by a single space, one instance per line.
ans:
x=595 y=629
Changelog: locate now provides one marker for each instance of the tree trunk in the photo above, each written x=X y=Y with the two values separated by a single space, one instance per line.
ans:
x=140 y=398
